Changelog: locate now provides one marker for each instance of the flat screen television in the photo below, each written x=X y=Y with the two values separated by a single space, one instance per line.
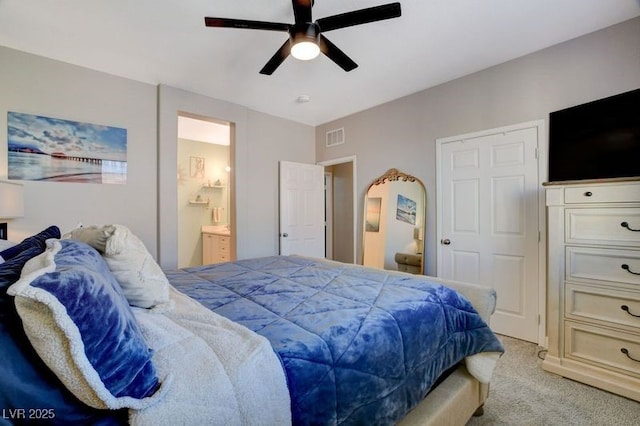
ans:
x=596 y=140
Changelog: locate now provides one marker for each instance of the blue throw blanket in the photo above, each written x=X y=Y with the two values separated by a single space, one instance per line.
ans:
x=358 y=345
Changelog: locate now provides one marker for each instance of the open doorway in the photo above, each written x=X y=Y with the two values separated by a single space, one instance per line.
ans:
x=340 y=208
x=204 y=190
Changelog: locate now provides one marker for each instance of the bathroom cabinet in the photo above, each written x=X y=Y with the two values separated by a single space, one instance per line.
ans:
x=216 y=248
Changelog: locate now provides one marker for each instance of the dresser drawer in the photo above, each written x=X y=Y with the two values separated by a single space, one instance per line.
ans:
x=607 y=226
x=587 y=303
x=608 y=265
x=603 y=347
x=614 y=193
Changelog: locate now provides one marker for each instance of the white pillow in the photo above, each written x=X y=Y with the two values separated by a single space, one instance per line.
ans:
x=142 y=280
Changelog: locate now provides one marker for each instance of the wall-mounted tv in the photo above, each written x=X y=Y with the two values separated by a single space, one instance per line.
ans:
x=596 y=140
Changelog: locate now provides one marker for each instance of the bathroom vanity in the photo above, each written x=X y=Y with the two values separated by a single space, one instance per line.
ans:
x=216 y=244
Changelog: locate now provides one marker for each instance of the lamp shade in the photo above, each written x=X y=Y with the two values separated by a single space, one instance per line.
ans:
x=11 y=200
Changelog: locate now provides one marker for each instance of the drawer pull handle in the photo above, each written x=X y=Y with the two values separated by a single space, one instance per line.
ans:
x=626 y=352
x=626 y=268
x=588 y=194
x=626 y=225
x=627 y=310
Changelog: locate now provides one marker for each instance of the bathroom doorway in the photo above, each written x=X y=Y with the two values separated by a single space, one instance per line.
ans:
x=204 y=190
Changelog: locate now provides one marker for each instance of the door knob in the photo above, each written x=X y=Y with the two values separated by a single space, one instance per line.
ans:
x=445 y=242
x=285 y=235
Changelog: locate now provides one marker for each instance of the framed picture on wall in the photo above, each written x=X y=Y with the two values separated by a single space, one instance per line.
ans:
x=52 y=149
x=196 y=167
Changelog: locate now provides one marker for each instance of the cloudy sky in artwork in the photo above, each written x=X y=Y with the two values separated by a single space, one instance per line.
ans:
x=72 y=138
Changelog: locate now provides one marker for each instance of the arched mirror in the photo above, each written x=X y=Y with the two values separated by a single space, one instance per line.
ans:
x=394 y=223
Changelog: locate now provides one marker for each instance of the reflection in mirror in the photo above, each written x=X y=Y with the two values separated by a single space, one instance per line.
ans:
x=394 y=223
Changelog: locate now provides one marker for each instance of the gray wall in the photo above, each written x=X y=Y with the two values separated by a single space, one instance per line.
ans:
x=402 y=133
x=148 y=202
x=35 y=85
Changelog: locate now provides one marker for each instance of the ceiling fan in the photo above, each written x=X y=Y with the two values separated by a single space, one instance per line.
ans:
x=306 y=40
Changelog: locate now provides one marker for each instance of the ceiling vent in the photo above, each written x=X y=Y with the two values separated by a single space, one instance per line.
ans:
x=335 y=137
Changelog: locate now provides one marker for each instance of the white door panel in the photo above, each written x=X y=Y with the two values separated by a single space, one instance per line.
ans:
x=509 y=281
x=489 y=222
x=466 y=200
x=465 y=266
x=302 y=209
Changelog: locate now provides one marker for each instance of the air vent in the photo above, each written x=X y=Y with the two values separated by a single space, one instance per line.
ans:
x=335 y=137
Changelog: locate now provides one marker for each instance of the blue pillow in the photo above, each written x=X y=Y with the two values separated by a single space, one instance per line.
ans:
x=9 y=274
x=37 y=240
x=25 y=381
x=65 y=298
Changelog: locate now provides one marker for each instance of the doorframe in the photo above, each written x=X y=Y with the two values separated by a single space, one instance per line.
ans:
x=173 y=101
x=343 y=160
x=540 y=126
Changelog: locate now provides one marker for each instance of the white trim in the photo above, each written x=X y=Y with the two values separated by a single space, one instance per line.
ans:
x=342 y=160
x=540 y=125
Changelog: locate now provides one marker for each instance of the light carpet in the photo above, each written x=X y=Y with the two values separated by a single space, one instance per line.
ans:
x=522 y=393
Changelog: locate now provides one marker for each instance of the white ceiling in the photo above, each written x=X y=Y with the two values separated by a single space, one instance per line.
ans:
x=166 y=41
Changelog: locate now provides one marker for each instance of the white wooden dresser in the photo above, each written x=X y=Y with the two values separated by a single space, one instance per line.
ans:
x=593 y=284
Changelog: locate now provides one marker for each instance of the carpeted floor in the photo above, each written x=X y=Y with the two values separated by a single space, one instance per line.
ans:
x=523 y=394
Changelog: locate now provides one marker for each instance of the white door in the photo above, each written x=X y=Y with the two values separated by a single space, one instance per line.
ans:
x=302 y=209
x=488 y=231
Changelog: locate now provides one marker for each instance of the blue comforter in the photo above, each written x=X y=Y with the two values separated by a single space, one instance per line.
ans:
x=359 y=346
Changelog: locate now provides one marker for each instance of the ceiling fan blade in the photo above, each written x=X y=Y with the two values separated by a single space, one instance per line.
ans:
x=362 y=16
x=302 y=11
x=245 y=24
x=336 y=55
x=277 y=59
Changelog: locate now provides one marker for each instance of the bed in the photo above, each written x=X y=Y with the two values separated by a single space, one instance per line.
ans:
x=272 y=340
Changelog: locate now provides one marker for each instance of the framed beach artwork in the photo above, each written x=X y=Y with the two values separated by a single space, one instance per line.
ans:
x=52 y=149
x=406 y=210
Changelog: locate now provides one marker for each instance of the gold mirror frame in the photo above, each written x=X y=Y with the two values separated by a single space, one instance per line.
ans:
x=393 y=175
x=404 y=245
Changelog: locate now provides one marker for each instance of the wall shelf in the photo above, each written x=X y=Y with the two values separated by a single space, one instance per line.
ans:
x=200 y=202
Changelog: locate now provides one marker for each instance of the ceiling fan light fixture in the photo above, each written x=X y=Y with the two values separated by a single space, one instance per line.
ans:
x=305 y=50
x=306 y=42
